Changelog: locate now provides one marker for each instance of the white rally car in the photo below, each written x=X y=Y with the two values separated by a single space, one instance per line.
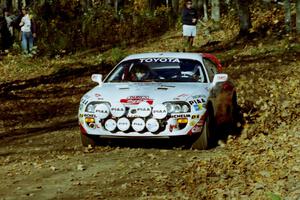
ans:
x=159 y=95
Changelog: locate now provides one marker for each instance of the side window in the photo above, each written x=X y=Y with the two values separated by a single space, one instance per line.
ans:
x=211 y=68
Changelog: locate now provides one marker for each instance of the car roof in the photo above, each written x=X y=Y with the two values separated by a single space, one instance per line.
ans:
x=180 y=55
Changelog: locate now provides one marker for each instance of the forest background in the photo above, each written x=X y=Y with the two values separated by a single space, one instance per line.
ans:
x=68 y=26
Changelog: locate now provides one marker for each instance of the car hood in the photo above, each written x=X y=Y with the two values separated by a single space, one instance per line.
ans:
x=153 y=93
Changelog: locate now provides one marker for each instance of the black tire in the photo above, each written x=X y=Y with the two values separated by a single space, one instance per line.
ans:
x=236 y=115
x=202 y=142
x=88 y=140
x=207 y=138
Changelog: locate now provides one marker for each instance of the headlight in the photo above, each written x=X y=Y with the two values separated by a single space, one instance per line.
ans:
x=185 y=108
x=92 y=106
x=169 y=107
x=177 y=107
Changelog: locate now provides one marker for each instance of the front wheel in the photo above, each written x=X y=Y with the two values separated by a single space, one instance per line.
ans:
x=207 y=139
x=88 y=140
x=202 y=142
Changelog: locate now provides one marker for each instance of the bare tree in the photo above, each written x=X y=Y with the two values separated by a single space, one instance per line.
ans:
x=201 y=6
x=287 y=11
x=175 y=6
x=215 y=12
x=152 y=4
x=244 y=16
x=298 y=16
x=205 y=15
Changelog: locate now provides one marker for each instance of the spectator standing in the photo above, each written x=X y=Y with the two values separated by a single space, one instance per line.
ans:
x=28 y=32
x=189 y=20
x=9 y=21
x=6 y=40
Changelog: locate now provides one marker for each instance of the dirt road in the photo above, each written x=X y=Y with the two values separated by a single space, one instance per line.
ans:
x=55 y=166
x=41 y=156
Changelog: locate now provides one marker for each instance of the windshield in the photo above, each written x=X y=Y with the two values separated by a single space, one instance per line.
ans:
x=158 y=70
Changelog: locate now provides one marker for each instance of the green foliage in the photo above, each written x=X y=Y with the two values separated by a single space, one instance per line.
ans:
x=273 y=196
x=68 y=26
x=116 y=55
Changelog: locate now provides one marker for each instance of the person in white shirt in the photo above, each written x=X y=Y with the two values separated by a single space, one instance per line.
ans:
x=26 y=31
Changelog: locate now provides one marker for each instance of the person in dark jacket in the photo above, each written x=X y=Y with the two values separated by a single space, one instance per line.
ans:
x=189 y=20
x=5 y=37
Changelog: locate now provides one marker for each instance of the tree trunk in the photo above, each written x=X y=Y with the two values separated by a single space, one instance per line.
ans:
x=175 y=7
x=287 y=13
x=244 y=16
x=205 y=14
x=116 y=5
x=14 y=4
x=215 y=12
x=298 y=16
x=152 y=4
x=85 y=4
x=201 y=6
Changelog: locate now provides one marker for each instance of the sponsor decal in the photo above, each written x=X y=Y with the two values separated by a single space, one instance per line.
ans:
x=84 y=101
x=180 y=115
x=143 y=109
x=199 y=97
x=196 y=129
x=159 y=111
x=90 y=115
x=134 y=100
x=181 y=96
x=197 y=101
x=110 y=125
x=195 y=116
x=123 y=124
x=222 y=77
x=98 y=96
x=160 y=60
x=152 y=125
x=193 y=123
x=137 y=124
x=102 y=111
x=118 y=109
x=198 y=107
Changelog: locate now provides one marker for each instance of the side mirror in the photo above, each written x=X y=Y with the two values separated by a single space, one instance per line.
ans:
x=218 y=78
x=97 y=78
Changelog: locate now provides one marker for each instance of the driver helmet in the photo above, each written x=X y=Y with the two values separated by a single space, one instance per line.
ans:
x=139 y=71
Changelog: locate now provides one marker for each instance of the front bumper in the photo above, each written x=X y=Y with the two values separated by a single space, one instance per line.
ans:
x=170 y=127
